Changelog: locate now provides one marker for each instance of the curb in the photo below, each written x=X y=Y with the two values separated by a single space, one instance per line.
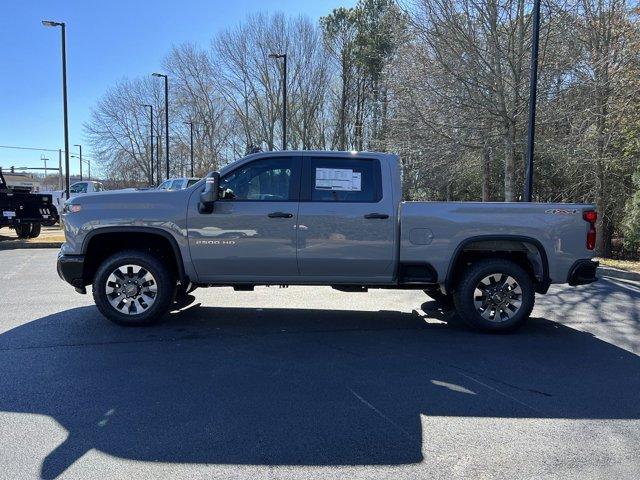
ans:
x=620 y=274
x=13 y=245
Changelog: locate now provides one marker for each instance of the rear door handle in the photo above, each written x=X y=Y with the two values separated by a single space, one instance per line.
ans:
x=280 y=215
x=381 y=216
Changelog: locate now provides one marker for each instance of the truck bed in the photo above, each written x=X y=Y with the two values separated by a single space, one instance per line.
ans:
x=22 y=207
x=437 y=230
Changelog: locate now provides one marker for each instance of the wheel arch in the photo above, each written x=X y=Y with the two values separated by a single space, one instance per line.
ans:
x=120 y=238
x=502 y=246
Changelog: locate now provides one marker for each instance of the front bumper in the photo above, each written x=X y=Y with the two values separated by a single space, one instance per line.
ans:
x=71 y=269
x=583 y=272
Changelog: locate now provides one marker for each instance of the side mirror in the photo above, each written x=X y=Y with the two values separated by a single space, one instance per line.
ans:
x=210 y=193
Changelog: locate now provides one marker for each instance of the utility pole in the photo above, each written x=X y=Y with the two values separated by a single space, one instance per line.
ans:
x=60 y=168
x=151 y=115
x=533 y=87
x=158 y=146
x=283 y=56
x=80 y=147
x=49 y=23
x=166 y=114
x=190 y=123
x=45 y=160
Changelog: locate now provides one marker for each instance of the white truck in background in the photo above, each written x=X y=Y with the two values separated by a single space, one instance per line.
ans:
x=78 y=188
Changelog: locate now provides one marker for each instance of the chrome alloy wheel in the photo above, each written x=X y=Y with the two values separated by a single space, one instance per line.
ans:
x=131 y=289
x=497 y=297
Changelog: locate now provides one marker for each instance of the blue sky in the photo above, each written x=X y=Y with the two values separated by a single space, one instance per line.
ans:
x=106 y=41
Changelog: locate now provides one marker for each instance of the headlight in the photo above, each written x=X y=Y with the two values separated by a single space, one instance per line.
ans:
x=71 y=208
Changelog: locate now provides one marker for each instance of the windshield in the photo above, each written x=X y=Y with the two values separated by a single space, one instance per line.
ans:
x=176 y=185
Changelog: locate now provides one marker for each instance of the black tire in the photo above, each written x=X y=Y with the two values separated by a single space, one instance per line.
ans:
x=441 y=299
x=23 y=230
x=504 y=319
x=162 y=279
x=35 y=230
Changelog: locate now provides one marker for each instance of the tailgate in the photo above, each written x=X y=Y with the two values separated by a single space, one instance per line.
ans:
x=27 y=207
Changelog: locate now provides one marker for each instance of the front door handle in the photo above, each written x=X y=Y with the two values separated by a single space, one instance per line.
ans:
x=381 y=216
x=280 y=215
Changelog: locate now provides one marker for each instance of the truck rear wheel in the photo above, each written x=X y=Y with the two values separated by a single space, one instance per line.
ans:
x=35 y=230
x=133 y=288
x=495 y=295
x=23 y=230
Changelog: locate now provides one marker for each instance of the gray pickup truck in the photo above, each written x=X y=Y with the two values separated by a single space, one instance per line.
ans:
x=320 y=218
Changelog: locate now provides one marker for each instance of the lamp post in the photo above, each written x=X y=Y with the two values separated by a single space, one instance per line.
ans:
x=533 y=86
x=283 y=56
x=151 y=115
x=80 y=147
x=190 y=123
x=166 y=114
x=49 y=23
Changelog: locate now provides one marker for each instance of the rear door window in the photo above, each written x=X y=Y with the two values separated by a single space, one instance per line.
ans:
x=334 y=179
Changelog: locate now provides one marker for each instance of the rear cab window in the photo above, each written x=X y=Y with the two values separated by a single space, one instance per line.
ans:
x=336 y=179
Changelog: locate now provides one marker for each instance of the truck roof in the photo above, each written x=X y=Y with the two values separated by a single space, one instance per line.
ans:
x=290 y=153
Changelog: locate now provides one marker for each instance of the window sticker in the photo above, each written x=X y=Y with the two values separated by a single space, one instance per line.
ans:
x=340 y=179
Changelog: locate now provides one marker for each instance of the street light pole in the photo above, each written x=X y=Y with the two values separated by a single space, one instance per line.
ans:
x=533 y=87
x=151 y=115
x=80 y=147
x=190 y=123
x=49 y=23
x=283 y=56
x=166 y=114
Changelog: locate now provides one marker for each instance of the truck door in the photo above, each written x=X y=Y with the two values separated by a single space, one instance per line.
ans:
x=250 y=235
x=346 y=225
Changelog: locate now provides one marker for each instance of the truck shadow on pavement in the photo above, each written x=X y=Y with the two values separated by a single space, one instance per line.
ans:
x=296 y=387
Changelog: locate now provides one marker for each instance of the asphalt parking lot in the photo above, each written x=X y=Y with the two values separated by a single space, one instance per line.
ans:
x=314 y=383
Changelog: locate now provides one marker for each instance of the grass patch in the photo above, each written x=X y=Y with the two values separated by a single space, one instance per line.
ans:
x=627 y=265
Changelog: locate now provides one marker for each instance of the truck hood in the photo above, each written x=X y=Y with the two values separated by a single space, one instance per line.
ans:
x=120 y=198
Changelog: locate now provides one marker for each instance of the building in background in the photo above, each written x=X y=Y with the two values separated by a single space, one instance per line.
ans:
x=21 y=181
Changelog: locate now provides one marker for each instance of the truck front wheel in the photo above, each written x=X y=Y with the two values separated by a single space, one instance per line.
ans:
x=495 y=295
x=133 y=288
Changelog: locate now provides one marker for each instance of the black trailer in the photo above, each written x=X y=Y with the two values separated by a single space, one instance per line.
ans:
x=24 y=211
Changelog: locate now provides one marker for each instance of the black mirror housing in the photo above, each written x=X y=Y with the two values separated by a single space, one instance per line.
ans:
x=210 y=193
